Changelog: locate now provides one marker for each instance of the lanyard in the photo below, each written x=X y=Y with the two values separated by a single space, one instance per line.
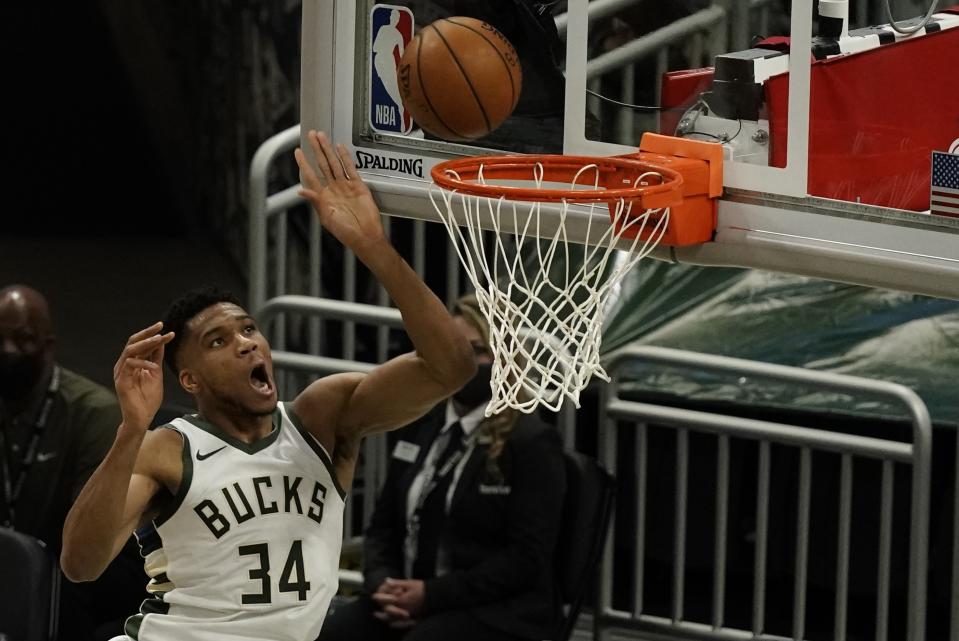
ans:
x=436 y=478
x=11 y=488
x=410 y=543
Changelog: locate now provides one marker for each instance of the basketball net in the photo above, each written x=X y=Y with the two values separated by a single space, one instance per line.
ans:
x=545 y=314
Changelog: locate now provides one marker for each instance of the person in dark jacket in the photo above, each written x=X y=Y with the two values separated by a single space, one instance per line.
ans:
x=461 y=540
x=55 y=428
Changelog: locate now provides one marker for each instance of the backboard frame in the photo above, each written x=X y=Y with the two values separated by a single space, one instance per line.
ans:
x=782 y=229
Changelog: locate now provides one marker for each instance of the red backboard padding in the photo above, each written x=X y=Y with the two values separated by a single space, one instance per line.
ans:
x=875 y=117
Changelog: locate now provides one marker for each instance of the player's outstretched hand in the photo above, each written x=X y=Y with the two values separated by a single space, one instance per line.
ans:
x=344 y=204
x=138 y=376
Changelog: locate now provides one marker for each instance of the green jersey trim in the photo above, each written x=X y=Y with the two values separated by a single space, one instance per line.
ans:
x=248 y=448
x=153 y=605
x=316 y=447
x=187 y=457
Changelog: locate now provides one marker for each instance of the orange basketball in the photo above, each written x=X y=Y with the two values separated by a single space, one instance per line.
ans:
x=460 y=78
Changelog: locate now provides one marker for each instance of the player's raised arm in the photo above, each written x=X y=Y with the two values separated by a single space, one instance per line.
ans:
x=407 y=386
x=120 y=490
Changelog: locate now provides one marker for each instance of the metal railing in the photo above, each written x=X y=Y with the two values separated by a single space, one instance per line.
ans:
x=917 y=453
x=264 y=206
x=711 y=19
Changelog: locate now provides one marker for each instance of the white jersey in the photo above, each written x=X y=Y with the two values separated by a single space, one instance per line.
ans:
x=250 y=546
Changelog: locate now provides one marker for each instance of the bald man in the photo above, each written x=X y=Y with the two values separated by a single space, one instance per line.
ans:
x=56 y=425
x=55 y=428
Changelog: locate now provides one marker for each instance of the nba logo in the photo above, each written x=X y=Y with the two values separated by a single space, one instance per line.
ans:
x=392 y=30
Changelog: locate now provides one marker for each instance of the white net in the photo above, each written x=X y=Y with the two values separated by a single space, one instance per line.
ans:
x=543 y=295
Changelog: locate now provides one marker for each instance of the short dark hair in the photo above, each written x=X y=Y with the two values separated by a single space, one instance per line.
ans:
x=182 y=310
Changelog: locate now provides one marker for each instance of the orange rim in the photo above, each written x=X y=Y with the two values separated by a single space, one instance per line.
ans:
x=460 y=174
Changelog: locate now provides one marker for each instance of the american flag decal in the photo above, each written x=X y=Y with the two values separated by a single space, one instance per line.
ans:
x=944 y=193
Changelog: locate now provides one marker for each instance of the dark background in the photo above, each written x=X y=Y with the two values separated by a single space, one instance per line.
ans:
x=130 y=129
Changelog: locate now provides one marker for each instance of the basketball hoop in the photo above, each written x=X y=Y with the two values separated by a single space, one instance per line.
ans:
x=509 y=225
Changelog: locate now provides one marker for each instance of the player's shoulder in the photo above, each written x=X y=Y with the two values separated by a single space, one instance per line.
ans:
x=165 y=440
x=165 y=457
x=324 y=398
x=318 y=409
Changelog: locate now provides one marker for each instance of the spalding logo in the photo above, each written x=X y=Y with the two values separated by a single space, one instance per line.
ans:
x=411 y=166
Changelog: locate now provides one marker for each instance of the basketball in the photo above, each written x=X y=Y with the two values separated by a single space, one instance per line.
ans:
x=460 y=78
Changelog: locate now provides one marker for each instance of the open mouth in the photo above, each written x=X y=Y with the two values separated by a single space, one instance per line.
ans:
x=260 y=379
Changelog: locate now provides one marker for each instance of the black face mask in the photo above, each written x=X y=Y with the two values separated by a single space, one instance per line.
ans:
x=477 y=390
x=19 y=373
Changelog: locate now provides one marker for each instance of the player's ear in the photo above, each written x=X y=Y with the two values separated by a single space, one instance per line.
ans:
x=188 y=381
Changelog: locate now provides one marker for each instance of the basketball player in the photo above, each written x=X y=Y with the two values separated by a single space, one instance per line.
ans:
x=240 y=506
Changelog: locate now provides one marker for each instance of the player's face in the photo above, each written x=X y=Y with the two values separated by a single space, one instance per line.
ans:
x=228 y=360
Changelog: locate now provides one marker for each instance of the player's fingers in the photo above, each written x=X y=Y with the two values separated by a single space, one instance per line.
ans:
x=148 y=351
x=121 y=371
x=337 y=172
x=322 y=157
x=145 y=346
x=310 y=179
x=347 y=161
x=157 y=355
x=143 y=333
x=139 y=363
x=166 y=338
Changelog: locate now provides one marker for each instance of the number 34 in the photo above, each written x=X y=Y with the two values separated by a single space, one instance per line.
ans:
x=292 y=579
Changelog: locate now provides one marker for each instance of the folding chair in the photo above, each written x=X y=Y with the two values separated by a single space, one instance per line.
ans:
x=586 y=515
x=29 y=609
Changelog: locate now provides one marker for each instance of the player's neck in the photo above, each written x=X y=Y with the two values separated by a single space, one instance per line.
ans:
x=247 y=428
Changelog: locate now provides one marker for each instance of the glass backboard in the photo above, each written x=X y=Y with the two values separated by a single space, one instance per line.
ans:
x=828 y=156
